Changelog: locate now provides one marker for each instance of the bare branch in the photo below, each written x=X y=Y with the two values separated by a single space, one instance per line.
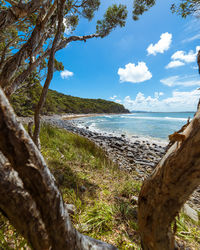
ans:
x=75 y=38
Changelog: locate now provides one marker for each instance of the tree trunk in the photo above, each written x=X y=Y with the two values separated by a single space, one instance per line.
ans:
x=49 y=74
x=20 y=10
x=12 y=196
x=26 y=160
x=168 y=188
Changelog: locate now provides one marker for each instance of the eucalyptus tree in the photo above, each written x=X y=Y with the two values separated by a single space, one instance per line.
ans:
x=39 y=34
x=31 y=32
x=178 y=173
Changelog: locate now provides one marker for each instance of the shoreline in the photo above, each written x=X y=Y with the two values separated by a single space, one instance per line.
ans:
x=132 y=154
x=139 y=156
x=76 y=116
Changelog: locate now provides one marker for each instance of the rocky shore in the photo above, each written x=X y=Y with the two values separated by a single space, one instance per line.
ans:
x=130 y=154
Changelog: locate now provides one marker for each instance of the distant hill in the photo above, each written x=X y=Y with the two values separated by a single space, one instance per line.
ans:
x=24 y=103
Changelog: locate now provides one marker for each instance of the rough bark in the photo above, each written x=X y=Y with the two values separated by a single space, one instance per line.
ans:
x=168 y=188
x=42 y=99
x=28 y=49
x=12 y=196
x=20 y=10
x=27 y=161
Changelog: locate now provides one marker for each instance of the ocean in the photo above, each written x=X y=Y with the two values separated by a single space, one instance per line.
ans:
x=151 y=126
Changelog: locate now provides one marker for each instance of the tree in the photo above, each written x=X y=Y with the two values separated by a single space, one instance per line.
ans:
x=36 y=29
x=161 y=196
x=178 y=173
x=42 y=24
x=185 y=8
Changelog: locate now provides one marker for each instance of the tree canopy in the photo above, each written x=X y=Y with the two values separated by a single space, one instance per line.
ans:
x=184 y=8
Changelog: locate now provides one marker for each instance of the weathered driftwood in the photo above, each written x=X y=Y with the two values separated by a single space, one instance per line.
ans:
x=168 y=188
x=26 y=160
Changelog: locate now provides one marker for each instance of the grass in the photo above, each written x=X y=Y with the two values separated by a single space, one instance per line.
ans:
x=101 y=192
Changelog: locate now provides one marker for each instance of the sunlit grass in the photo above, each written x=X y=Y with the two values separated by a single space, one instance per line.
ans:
x=101 y=193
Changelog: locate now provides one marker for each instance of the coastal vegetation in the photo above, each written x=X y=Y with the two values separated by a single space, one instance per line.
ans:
x=104 y=197
x=32 y=33
x=24 y=103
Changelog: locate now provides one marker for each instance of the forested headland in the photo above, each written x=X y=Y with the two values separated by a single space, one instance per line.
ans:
x=24 y=103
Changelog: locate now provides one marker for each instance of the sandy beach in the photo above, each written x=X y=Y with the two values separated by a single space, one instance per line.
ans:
x=76 y=116
x=138 y=154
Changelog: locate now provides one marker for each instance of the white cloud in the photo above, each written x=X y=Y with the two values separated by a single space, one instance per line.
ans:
x=185 y=81
x=161 y=46
x=66 y=73
x=179 y=101
x=186 y=57
x=113 y=97
x=180 y=57
x=158 y=94
x=174 y=64
x=134 y=73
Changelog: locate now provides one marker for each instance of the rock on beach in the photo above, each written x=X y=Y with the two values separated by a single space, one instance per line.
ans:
x=140 y=156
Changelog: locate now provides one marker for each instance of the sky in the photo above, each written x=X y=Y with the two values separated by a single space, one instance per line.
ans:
x=149 y=65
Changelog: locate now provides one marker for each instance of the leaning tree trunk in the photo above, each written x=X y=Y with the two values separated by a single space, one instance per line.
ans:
x=47 y=206
x=168 y=188
x=60 y=7
x=15 y=201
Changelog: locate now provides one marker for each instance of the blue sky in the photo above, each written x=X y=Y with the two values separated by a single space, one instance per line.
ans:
x=148 y=65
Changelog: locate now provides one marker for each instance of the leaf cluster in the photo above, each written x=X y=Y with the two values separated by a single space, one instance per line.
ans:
x=140 y=6
x=186 y=7
x=114 y=16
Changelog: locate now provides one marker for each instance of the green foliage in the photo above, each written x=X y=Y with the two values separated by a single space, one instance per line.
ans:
x=114 y=16
x=129 y=188
x=58 y=65
x=98 y=219
x=186 y=7
x=104 y=210
x=140 y=6
x=9 y=237
x=25 y=101
x=89 y=7
x=188 y=230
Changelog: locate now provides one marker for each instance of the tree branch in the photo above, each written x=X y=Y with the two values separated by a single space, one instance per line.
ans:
x=76 y=38
x=27 y=50
x=164 y=193
x=20 y=10
x=13 y=3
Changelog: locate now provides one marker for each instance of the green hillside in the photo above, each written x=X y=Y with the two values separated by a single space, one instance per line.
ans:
x=24 y=103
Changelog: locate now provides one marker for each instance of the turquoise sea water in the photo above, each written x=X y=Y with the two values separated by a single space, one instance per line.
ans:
x=147 y=125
